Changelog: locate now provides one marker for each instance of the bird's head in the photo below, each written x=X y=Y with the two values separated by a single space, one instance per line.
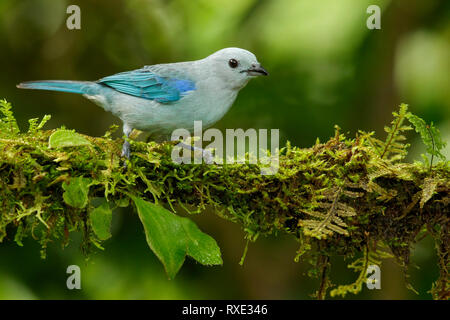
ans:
x=235 y=66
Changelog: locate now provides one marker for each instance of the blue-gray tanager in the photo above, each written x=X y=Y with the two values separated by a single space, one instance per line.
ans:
x=164 y=97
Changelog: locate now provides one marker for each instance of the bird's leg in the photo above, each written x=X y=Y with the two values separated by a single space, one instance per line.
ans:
x=126 y=148
x=207 y=154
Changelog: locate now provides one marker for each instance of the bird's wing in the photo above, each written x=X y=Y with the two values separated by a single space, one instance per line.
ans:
x=145 y=84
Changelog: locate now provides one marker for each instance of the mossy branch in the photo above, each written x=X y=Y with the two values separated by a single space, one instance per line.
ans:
x=348 y=196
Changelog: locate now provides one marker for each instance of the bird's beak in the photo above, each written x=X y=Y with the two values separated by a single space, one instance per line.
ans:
x=256 y=70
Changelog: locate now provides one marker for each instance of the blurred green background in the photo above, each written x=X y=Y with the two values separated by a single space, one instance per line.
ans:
x=326 y=67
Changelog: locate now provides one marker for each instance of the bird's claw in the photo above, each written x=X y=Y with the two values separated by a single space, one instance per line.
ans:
x=126 y=150
x=208 y=156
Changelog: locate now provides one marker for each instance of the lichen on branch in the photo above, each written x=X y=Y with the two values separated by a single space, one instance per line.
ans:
x=354 y=197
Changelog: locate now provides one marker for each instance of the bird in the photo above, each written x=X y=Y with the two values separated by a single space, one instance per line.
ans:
x=163 y=97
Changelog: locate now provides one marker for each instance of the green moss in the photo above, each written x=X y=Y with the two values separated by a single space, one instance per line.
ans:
x=346 y=196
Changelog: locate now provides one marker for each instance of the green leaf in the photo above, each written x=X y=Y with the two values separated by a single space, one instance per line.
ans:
x=100 y=218
x=172 y=237
x=76 y=192
x=66 y=138
x=200 y=246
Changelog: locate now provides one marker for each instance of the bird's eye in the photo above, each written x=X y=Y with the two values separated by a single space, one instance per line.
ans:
x=233 y=63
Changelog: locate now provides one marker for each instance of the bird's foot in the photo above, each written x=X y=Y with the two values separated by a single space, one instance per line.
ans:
x=126 y=150
x=207 y=156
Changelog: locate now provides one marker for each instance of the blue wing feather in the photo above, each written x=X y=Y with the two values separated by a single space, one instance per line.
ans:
x=145 y=84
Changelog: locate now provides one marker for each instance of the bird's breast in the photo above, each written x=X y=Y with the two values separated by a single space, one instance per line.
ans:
x=210 y=102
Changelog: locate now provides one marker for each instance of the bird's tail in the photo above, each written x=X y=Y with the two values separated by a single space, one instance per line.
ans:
x=80 y=87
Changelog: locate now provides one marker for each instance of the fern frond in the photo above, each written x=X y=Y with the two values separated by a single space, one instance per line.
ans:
x=392 y=148
x=430 y=135
x=8 y=124
x=329 y=222
x=370 y=257
x=35 y=126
